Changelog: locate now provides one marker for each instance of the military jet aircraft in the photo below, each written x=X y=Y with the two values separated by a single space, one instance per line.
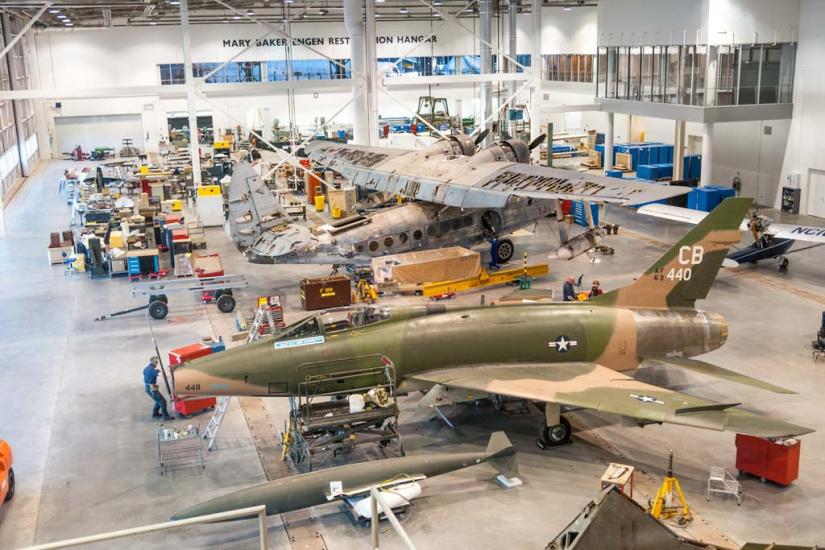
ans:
x=770 y=240
x=567 y=355
x=460 y=197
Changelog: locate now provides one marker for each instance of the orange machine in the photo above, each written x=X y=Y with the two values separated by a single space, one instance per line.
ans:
x=6 y=472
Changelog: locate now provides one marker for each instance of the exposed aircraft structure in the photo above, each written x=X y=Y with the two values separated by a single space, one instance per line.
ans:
x=566 y=354
x=461 y=198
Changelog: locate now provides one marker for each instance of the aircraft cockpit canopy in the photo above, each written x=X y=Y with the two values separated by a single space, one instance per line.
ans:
x=334 y=320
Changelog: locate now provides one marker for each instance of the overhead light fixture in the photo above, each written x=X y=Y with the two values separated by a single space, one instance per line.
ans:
x=567 y=8
x=236 y=16
x=153 y=23
x=377 y=15
x=250 y=13
x=54 y=10
x=288 y=1
x=67 y=20
x=438 y=2
x=403 y=10
x=323 y=11
x=61 y=16
x=70 y=24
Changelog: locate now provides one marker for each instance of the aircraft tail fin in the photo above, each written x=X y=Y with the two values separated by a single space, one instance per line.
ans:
x=685 y=273
x=502 y=455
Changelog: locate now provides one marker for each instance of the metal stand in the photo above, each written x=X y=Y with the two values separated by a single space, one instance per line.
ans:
x=321 y=421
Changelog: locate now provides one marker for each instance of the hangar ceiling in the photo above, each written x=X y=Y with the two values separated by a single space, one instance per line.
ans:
x=109 y=13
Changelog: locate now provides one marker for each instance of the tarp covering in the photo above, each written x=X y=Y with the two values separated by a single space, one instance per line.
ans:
x=428 y=266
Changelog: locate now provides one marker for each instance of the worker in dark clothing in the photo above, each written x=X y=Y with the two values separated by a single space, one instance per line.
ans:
x=150 y=385
x=568 y=290
x=596 y=290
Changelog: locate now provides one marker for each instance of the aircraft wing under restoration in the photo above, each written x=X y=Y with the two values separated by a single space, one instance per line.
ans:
x=479 y=181
x=593 y=386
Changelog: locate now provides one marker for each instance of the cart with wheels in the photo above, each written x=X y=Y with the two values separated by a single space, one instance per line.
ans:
x=325 y=421
x=217 y=290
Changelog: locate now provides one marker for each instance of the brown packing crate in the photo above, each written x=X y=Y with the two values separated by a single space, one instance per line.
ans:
x=326 y=292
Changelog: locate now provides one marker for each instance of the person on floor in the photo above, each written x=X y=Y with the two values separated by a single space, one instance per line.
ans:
x=596 y=290
x=150 y=386
x=569 y=290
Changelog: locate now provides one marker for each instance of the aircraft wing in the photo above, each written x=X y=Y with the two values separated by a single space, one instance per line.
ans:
x=679 y=214
x=471 y=182
x=593 y=386
x=797 y=232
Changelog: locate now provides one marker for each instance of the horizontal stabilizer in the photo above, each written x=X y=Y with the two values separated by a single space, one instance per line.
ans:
x=715 y=371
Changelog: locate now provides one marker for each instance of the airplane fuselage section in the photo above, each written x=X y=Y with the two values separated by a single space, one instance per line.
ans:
x=422 y=338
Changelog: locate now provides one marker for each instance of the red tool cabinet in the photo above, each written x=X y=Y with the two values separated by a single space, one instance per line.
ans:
x=777 y=462
x=187 y=406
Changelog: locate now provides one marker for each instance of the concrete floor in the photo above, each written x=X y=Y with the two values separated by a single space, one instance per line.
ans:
x=85 y=457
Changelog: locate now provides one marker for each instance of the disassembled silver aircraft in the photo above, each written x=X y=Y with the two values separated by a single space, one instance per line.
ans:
x=460 y=198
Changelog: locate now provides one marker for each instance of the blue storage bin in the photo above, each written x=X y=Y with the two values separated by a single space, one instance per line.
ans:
x=647 y=171
x=218 y=346
x=668 y=154
x=665 y=169
x=692 y=168
x=577 y=209
x=613 y=173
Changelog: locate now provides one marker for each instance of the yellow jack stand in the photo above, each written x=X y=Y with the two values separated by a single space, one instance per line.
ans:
x=670 y=501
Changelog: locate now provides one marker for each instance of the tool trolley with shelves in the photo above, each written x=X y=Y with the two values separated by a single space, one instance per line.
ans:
x=322 y=421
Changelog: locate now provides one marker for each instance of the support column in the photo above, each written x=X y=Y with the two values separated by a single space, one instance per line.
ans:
x=679 y=151
x=629 y=129
x=485 y=28
x=707 y=155
x=372 y=74
x=354 y=22
x=512 y=12
x=22 y=154
x=535 y=64
x=607 y=161
x=194 y=145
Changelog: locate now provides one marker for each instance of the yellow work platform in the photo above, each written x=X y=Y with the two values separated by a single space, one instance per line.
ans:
x=484 y=279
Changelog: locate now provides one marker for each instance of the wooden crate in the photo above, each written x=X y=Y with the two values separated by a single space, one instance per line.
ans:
x=326 y=292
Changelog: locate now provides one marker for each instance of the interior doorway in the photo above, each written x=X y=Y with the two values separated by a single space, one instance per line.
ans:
x=816 y=190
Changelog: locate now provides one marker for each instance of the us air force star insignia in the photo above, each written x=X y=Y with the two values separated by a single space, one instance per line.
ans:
x=647 y=399
x=563 y=344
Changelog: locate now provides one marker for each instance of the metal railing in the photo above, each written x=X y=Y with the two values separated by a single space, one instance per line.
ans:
x=260 y=511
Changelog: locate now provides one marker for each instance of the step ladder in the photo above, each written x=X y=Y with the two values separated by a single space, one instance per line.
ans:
x=267 y=319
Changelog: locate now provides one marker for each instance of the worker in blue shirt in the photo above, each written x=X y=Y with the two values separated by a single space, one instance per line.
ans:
x=150 y=385
x=568 y=290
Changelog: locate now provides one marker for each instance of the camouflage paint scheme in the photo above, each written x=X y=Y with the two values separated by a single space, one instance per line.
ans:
x=571 y=354
x=310 y=489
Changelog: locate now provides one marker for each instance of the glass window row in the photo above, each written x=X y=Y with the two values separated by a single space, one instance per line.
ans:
x=698 y=74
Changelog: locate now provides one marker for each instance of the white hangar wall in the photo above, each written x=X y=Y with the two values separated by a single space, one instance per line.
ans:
x=124 y=57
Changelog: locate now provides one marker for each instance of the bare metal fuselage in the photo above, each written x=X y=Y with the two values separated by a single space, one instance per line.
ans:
x=394 y=230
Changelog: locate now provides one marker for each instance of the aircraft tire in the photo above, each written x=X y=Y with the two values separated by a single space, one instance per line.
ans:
x=226 y=303
x=506 y=250
x=553 y=436
x=158 y=310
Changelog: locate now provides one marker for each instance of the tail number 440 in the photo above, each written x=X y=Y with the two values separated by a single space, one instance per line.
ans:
x=688 y=257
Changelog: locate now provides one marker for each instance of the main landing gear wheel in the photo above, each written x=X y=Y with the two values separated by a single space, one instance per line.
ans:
x=506 y=249
x=783 y=263
x=553 y=436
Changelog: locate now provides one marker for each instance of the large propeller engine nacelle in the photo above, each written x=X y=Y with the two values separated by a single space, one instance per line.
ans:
x=510 y=150
x=453 y=145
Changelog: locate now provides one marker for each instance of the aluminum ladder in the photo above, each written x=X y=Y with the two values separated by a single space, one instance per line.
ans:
x=263 y=315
